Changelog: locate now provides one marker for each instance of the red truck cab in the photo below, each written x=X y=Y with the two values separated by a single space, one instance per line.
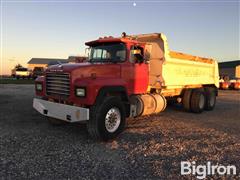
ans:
x=112 y=70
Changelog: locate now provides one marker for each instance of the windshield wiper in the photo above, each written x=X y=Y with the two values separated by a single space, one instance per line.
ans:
x=102 y=61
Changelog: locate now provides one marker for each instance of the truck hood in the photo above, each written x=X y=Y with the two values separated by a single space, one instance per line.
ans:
x=86 y=69
x=68 y=67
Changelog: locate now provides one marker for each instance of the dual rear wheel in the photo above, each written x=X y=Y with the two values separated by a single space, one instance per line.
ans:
x=198 y=100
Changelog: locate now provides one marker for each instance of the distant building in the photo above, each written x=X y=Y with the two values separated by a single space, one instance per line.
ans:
x=229 y=69
x=44 y=62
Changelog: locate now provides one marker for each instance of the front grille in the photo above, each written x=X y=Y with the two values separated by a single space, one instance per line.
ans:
x=58 y=84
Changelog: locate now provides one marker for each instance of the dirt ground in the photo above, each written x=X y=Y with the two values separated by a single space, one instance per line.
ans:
x=150 y=148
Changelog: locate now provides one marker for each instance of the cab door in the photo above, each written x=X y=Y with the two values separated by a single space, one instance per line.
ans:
x=140 y=78
x=136 y=72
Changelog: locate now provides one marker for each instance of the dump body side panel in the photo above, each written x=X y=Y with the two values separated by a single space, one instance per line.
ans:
x=179 y=73
x=170 y=70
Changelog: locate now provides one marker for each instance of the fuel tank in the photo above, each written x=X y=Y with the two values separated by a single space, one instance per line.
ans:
x=147 y=104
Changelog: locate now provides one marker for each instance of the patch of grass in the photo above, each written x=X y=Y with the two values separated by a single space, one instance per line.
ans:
x=16 y=81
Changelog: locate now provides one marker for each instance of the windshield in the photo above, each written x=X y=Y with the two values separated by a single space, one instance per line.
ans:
x=108 y=53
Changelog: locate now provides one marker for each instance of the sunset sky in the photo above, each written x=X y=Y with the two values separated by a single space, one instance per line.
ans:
x=58 y=29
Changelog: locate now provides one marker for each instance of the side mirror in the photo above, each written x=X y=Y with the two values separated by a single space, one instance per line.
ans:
x=147 y=56
x=147 y=52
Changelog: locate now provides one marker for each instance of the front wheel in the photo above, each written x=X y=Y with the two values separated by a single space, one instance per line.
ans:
x=107 y=120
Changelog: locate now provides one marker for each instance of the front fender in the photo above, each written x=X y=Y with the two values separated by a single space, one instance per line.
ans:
x=93 y=87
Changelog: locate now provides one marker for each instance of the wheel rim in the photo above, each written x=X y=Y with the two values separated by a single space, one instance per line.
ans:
x=112 y=119
x=201 y=101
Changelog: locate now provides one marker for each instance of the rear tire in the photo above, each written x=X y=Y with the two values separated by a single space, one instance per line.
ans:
x=198 y=101
x=210 y=98
x=187 y=99
x=107 y=119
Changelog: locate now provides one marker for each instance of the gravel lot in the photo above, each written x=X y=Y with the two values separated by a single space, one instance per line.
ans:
x=151 y=147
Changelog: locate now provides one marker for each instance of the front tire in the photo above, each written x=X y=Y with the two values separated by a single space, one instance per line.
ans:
x=107 y=119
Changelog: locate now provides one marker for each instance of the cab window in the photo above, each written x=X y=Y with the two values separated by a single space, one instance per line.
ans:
x=136 y=54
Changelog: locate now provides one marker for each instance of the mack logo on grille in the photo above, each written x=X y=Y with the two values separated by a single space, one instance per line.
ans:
x=58 y=84
x=56 y=70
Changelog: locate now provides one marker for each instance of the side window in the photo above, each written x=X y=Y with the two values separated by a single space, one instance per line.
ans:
x=136 y=54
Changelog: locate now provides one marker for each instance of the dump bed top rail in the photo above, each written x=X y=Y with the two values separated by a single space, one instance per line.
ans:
x=174 y=54
x=153 y=37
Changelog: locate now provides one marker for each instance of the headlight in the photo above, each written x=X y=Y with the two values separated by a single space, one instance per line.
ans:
x=39 y=87
x=81 y=92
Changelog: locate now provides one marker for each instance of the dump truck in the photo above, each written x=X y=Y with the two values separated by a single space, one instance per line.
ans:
x=127 y=76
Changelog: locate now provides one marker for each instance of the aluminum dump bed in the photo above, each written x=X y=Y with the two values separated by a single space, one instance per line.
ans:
x=171 y=70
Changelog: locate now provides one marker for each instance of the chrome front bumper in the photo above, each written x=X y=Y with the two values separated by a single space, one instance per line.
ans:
x=61 y=111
